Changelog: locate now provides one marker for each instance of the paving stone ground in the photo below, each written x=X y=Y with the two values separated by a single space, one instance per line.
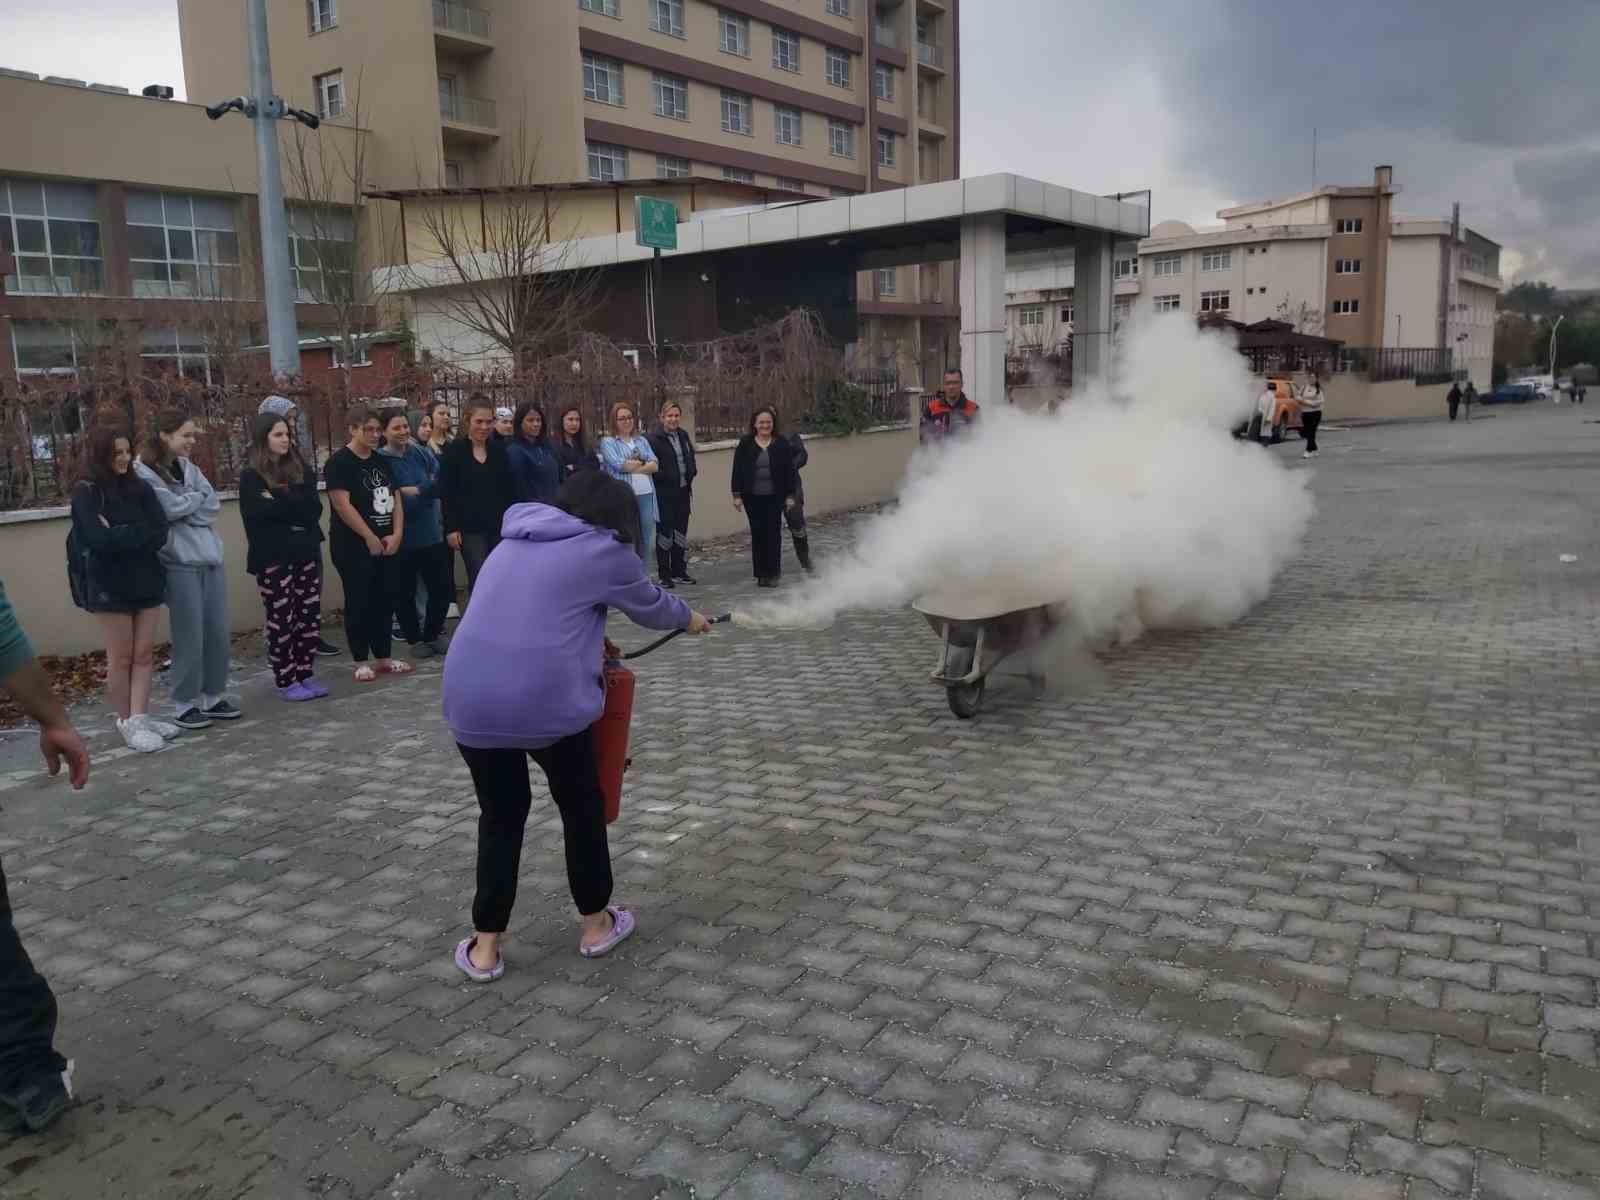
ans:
x=1307 y=907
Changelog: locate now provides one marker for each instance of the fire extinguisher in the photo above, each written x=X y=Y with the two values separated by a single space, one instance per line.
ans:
x=610 y=732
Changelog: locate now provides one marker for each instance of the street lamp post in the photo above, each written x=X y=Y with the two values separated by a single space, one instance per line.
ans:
x=1555 y=395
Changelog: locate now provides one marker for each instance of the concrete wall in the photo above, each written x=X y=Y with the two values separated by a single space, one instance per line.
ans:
x=1411 y=299
x=843 y=473
x=1352 y=396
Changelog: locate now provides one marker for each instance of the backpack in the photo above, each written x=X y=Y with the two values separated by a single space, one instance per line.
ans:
x=78 y=565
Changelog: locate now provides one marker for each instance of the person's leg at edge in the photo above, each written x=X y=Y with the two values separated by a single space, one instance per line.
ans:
x=667 y=503
x=278 y=613
x=216 y=635
x=500 y=778
x=680 y=536
x=356 y=575
x=649 y=518
x=307 y=609
x=574 y=778
x=379 y=611
x=400 y=572
x=767 y=536
x=324 y=646
x=796 y=519
x=27 y=1010
x=144 y=659
x=116 y=630
x=186 y=615
x=752 y=517
x=436 y=577
x=474 y=549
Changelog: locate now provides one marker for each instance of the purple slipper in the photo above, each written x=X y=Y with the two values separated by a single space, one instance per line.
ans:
x=296 y=692
x=316 y=689
x=477 y=974
x=621 y=927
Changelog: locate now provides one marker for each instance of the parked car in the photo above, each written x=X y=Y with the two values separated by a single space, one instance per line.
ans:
x=1510 y=393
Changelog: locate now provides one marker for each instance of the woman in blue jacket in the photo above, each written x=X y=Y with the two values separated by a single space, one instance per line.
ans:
x=535 y=469
x=423 y=553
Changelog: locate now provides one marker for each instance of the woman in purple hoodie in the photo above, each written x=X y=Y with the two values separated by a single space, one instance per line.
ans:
x=522 y=679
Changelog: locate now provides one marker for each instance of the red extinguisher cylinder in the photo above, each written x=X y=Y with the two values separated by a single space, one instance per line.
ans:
x=610 y=734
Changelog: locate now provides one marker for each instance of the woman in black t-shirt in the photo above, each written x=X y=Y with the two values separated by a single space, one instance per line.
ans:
x=367 y=523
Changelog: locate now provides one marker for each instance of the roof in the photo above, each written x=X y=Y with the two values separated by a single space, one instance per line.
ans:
x=579 y=185
x=1271 y=334
x=1327 y=189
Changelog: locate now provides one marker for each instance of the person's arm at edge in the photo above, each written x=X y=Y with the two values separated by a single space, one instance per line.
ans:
x=25 y=681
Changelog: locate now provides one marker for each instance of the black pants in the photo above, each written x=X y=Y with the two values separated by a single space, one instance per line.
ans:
x=27 y=1009
x=368 y=603
x=432 y=565
x=672 y=532
x=1308 y=429
x=1454 y=404
x=765 y=514
x=475 y=548
x=504 y=797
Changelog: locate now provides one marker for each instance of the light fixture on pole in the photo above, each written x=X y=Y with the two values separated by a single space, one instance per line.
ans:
x=1553 y=329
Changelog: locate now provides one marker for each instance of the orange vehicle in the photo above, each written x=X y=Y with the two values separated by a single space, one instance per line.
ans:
x=1285 y=411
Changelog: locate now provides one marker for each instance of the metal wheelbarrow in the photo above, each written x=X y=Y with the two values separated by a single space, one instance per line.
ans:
x=978 y=634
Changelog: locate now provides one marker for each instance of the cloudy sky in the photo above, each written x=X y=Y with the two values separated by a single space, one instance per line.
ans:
x=1205 y=102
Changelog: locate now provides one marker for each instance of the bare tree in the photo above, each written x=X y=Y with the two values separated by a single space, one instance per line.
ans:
x=505 y=269
x=1304 y=317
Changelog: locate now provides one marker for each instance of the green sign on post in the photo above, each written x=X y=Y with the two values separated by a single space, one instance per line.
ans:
x=655 y=223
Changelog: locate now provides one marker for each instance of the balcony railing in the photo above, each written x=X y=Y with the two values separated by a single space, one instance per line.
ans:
x=467 y=110
x=886 y=35
x=460 y=18
x=930 y=55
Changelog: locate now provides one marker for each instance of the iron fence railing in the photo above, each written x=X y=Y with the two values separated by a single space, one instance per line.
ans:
x=1384 y=364
x=930 y=54
x=460 y=18
x=469 y=110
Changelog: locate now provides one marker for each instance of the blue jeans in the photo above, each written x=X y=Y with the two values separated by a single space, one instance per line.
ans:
x=649 y=514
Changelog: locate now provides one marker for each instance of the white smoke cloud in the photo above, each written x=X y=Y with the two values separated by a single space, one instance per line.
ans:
x=1129 y=510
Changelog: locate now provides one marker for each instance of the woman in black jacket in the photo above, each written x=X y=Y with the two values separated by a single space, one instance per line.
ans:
x=764 y=481
x=571 y=445
x=118 y=530
x=475 y=489
x=674 y=481
x=282 y=515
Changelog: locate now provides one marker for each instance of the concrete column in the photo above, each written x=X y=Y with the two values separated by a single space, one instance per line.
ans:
x=983 y=307
x=1091 y=305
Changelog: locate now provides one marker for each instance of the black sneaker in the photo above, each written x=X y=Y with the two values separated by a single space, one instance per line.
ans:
x=192 y=718
x=689 y=579
x=223 y=711
x=40 y=1102
x=327 y=649
x=666 y=582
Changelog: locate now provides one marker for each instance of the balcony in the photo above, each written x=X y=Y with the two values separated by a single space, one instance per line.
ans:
x=930 y=55
x=460 y=28
x=886 y=35
x=469 y=118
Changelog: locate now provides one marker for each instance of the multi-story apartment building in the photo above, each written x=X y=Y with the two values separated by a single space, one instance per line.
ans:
x=1335 y=261
x=820 y=97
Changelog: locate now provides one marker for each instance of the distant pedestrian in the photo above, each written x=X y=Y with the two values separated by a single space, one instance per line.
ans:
x=1266 y=409
x=503 y=421
x=535 y=469
x=1453 y=399
x=197 y=595
x=286 y=408
x=795 y=514
x=282 y=514
x=119 y=529
x=35 y=1080
x=424 y=559
x=438 y=427
x=572 y=446
x=523 y=680
x=1311 y=399
x=475 y=489
x=368 y=529
x=1469 y=397
x=950 y=412
x=674 y=450
x=626 y=456
x=764 y=482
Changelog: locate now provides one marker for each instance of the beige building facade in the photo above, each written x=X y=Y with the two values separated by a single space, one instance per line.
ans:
x=821 y=97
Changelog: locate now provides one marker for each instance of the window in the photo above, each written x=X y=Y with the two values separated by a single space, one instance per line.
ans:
x=1125 y=268
x=1211 y=302
x=785 y=49
x=330 y=94
x=838 y=8
x=841 y=139
x=1066 y=314
x=323 y=15
x=1168 y=303
x=322 y=254
x=1029 y=318
x=888 y=282
x=670 y=166
x=1346 y=308
x=602 y=79
x=43 y=348
x=1121 y=310
x=789 y=184
x=671 y=95
x=736 y=175
x=452 y=174
x=1347 y=225
x=883 y=81
x=1216 y=260
x=178 y=350
x=733 y=33
x=1347 y=266
x=736 y=112
x=666 y=16
x=787 y=124
x=360 y=353
x=838 y=67
x=51 y=230
x=606 y=8
x=886 y=147
x=1167 y=264
x=182 y=246
x=607 y=163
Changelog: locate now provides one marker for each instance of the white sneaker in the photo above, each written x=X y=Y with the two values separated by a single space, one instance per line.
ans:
x=1305 y=454
x=163 y=729
x=137 y=737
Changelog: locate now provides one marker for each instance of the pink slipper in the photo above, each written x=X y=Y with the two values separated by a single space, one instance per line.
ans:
x=473 y=972
x=621 y=927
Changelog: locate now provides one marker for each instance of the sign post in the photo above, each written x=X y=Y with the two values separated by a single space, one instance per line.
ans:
x=655 y=224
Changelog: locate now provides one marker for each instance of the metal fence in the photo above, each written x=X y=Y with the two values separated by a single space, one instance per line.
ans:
x=1382 y=365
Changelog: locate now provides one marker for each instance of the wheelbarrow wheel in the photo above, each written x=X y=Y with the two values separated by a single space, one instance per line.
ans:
x=965 y=699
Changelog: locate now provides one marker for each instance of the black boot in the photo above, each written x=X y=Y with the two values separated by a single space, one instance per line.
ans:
x=802 y=551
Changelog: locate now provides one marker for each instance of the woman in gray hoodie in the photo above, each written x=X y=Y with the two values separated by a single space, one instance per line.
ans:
x=197 y=599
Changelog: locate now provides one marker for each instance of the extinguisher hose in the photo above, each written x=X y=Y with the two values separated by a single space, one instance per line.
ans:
x=662 y=641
